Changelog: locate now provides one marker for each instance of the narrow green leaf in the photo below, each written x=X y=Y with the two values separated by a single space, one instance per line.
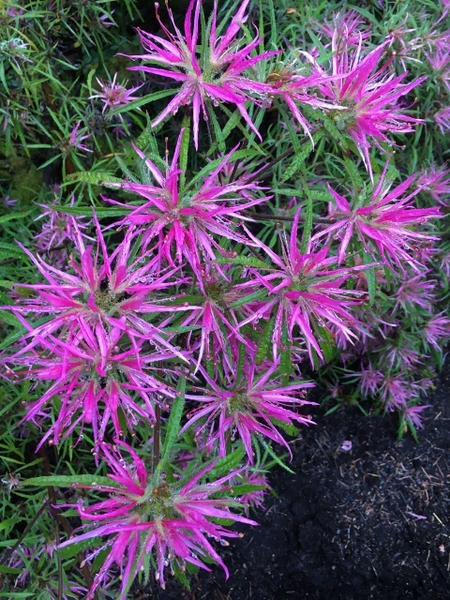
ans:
x=299 y=158
x=276 y=458
x=184 y=150
x=10 y=251
x=144 y=100
x=13 y=216
x=307 y=227
x=173 y=425
x=265 y=341
x=246 y=261
x=227 y=463
x=77 y=547
x=69 y=481
x=371 y=277
x=96 y=178
x=250 y=298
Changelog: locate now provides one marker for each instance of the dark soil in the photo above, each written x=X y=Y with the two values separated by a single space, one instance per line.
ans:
x=372 y=523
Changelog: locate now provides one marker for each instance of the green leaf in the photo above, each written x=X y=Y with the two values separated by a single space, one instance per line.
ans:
x=265 y=341
x=250 y=298
x=9 y=318
x=307 y=227
x=371 y=277
x=144 y=100
x=96 y=178
x=69 y=481
x=10 y=251
x=247 y=488
x=299 y=158
x=14 y=216
x=184 y=150
x=10 y=570
x=290 y=429
x=326 y=343
x=105 y=212
x=173 y=425
x=77 y=547
x=10 y=595
x=6 y=284
x=246 y=261
x=227 y=463
x=276 y=458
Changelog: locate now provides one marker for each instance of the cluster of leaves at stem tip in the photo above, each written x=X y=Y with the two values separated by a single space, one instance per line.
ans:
x=202 y=222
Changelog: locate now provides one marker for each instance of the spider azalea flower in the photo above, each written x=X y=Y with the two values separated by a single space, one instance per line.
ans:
x=369 y=92
x=184 y=221
x=247 y=405
x=216 y=70
x=112 y=290
x=114 y=95
x=304 y=291
x=384 y=222
x=96 y=383
x=153 y=523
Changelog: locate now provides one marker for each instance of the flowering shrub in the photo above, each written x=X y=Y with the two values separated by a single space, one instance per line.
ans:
x=169 y=305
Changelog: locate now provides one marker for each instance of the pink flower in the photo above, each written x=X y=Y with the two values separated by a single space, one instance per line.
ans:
x=110 y=290
x=216 y=319
x=303 y=290
x=293 y=84
x=412 y=415
x=186 y=221
x=245 y=406
x=59 y=233
x=221 y=73
x=370 y=379
x=436 y=181
x=442 y=118
x=114 y=95
x=96 y=382
x=383 y=221
x=76 y=138
x=347 y=26
x=416 y=291
x=370 y=93
x=437 y=331
x=144 y=516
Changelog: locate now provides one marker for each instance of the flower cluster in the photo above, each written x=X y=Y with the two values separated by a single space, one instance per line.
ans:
x=175 y=324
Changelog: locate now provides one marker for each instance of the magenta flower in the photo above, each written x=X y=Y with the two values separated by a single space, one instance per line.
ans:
x=370 y=379
x=293 y=84
x=217 y=321
x=442 y=118
x=303 y=290
x=436 y=332
x=108 y=289
x=436 y=182
x=370 y=94
x=185 y=221
x=384 y=221
x=346 y=26
x=413 y=417
x=95 y=382
x=416 y=291
x=76 y=138
x=114 y=95
x=153 y=522
x=58 y=233
x=216 y=70
x=246 y=406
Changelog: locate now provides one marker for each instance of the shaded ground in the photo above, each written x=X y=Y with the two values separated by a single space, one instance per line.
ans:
x=342 y=528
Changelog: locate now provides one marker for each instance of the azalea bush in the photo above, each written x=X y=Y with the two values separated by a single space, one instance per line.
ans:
x=214 y=218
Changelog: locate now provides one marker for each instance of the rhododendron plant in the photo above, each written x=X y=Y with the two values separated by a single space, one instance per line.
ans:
x=194 y=263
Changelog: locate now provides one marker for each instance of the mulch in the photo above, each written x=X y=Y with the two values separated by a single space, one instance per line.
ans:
x=370 y=523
